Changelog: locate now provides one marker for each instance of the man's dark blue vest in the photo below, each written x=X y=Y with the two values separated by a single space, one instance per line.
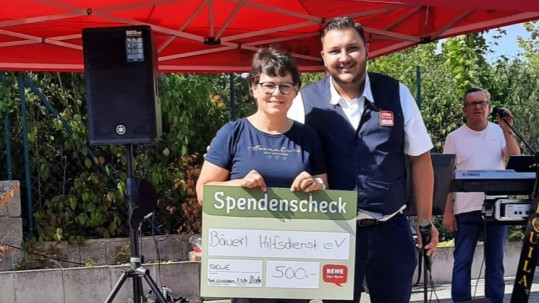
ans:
x=370 y=160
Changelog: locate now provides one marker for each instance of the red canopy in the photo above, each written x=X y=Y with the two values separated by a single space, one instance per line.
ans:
x=45 y=35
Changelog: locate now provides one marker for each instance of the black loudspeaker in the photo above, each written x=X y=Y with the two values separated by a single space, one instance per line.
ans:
x=120 y=67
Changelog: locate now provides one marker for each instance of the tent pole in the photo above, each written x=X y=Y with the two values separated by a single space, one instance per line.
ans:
x=418 y=78
x=26 y=156
x=232 y=97
x=7 y=136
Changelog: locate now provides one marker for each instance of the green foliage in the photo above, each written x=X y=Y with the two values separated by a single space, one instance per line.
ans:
x=514 y=85
x=91 y=210
x=444 y=235
x=193 y=109
x=515 y=233
x=78 y=192
x=449 y=68
x=307 y=79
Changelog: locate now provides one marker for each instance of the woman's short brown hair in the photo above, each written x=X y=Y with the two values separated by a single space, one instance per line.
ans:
x=273 y=63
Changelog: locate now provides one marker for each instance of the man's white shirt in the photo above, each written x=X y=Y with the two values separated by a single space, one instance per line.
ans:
x=417 y=140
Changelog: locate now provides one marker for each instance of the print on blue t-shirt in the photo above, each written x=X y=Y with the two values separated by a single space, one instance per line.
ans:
x=239 y=147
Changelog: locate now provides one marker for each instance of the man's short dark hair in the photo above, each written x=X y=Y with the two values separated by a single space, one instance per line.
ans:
x=340 y=23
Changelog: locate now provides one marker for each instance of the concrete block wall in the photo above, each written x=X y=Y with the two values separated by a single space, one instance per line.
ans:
x=85 y=285
x=90 y=285
x=10 y=224
x=442 y=265
x=116 y=251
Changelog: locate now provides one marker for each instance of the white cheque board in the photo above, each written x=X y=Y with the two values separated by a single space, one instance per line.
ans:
x=278 y=244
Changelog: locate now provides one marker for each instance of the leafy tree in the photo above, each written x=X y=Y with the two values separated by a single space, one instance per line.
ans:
x=514 y=86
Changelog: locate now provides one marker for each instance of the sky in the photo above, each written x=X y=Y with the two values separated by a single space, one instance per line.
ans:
x=507 y=45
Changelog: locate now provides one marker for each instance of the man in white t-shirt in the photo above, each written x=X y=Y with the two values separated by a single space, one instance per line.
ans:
x=478 y=145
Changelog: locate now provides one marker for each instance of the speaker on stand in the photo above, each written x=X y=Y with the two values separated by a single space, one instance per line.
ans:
x=120 y=66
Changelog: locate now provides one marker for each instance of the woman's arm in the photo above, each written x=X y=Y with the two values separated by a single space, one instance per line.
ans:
x=212 y=174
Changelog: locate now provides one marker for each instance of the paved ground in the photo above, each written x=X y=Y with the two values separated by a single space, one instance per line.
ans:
x=441 y=293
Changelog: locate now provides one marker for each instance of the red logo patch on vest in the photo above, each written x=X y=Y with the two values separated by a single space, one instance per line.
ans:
x=386 y=118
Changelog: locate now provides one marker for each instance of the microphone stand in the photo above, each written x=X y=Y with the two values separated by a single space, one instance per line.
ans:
x=519 y=136
x=425 y=231
x=529 y=254
x=426 y=274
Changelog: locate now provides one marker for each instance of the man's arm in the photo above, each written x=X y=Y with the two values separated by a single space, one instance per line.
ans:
x=511 y=145
x=422 y=175
x=449 y=216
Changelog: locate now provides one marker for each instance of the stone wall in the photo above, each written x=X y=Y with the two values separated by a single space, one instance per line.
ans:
x=10 y=224
x=116 y=251
x=95 y=284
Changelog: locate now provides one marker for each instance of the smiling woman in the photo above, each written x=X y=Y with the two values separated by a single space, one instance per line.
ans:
x=266 y=148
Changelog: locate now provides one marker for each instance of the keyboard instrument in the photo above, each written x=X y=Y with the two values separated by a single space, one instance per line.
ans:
x=493 y=182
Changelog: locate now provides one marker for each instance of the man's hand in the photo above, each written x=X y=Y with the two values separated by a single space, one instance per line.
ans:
x=450 y=222
x=432 y=246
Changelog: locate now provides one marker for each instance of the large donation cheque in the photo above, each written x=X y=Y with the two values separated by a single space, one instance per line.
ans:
x=278 y=243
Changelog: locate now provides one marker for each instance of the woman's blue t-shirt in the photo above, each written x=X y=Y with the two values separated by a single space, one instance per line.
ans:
x=239 y=147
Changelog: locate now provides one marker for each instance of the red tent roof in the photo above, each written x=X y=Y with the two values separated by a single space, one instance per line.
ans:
x=44 y=35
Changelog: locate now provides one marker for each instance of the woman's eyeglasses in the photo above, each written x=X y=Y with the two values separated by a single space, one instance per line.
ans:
x=269 y=87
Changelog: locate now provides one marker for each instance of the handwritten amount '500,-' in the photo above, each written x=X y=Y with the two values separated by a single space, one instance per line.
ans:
x=291 y=273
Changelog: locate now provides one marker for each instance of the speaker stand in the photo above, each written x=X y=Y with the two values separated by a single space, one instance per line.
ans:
x=137 y=271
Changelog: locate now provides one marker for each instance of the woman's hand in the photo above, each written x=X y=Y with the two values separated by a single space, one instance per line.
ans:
x=306 y=183
x=253 y=179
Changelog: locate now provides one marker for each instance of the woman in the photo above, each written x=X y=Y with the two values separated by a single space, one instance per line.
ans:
x=267 y=148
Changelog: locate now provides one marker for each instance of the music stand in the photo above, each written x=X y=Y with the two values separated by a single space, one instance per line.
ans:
x=444 y=171
x=522 y=163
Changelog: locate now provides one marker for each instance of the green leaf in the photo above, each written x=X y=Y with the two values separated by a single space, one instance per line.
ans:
x=87 y=163
x=72 y=203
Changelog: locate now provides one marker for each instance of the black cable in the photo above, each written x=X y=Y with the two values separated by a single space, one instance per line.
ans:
x=158 y=258
x=483 y=261
x=419 y=265
x=147 y=173
x=42 y=255
x=433 y=289
x=146 y=168
x=429 y=281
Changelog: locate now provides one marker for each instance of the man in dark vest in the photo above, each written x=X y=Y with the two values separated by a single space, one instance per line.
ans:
x=369 y=124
